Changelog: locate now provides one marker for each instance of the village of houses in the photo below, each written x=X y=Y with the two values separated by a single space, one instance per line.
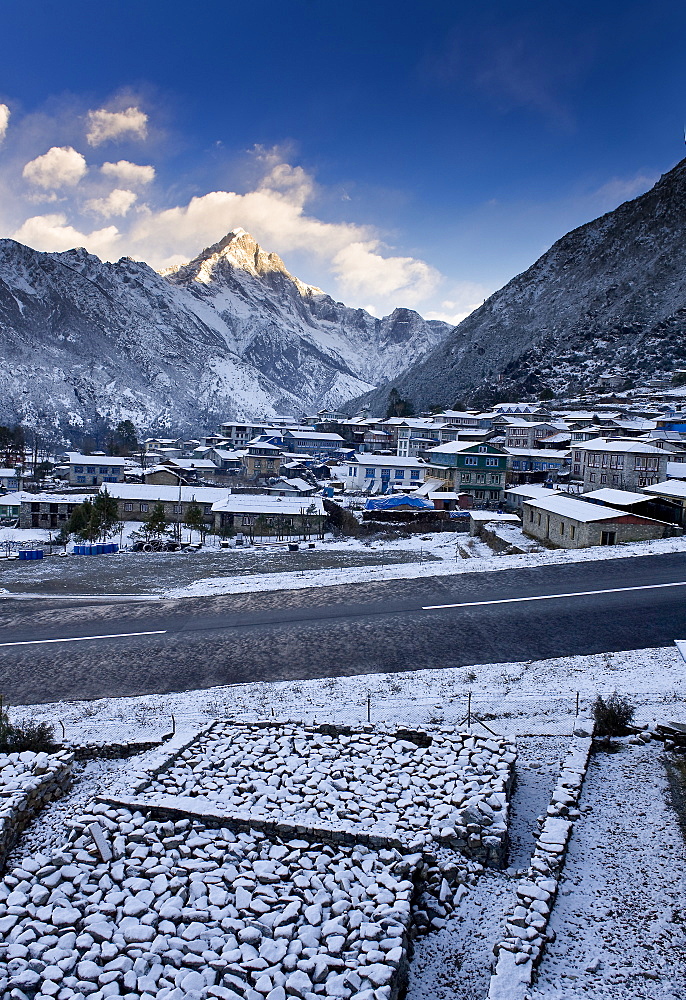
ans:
x=517 y=475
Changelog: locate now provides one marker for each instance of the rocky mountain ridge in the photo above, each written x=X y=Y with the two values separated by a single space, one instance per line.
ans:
x=609 y=298
x=231 y=334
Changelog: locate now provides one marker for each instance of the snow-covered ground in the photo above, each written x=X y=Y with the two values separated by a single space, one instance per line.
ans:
x=272 y=567
x=456 y=553
x=623 y=895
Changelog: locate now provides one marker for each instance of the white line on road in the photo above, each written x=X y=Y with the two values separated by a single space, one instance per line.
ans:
x=553 y=597
x=83 y=638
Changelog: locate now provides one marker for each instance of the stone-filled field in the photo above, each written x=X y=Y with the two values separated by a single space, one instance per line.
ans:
x=258 y=863
x=448 y=787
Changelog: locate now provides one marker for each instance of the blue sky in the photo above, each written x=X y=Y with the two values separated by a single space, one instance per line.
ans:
x=400 y=153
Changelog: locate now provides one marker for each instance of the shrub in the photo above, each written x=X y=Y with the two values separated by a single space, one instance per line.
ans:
x=36 y=736
x=612 y=717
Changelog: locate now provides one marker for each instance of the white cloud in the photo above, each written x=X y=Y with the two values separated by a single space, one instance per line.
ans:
x=61 y=166
x=108 y=125
x=52 y=233
x=362 y=271
x=117 y=202
x=466 y=297
x=620 y=189
x=132 y=174
x=347 y=258
x=4 y=120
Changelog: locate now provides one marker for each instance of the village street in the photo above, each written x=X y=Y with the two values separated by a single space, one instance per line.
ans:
x=62 y=650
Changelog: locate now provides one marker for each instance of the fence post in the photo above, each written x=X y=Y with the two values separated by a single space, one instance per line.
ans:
x=369 y=708
x=469 y=711
x=173 y=726
x=577 y=704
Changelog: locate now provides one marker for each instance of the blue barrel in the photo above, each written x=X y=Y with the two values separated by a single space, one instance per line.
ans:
x=25 y=554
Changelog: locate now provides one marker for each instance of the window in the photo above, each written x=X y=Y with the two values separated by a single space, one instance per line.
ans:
x=78 y=468
x=144 y=508
x=572 y=531
x=385 y=473
x=539 y=518
x=471 y=460
x=592 y=477
x=80 y=479
x=208 y=508
x=492 y=462
x=103 y=470
x=466 y=477
x=531 y=515
x=480 y=477
x=128 y=506
x=615 y=480
x=177 y=508
x=247 y=519
x=479 y=494
x=515 y=465
x=369 y=473
x=414 y=474
x=608 y=537
x=482 y=448
x=399 y=474
x=576 y=470
x=603 y=479
x=495 y=478
x=90 y=468
x=562 y=527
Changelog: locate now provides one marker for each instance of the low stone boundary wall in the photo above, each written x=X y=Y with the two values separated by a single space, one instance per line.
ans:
x=113 y=751
x=176 y=808
x=28 y=781
x=526 y=927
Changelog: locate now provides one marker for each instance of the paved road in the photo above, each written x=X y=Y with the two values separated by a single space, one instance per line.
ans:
x=353 y=629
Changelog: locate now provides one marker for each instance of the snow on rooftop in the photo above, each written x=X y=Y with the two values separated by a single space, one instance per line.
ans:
x=621 y=444
x=577 y=510
x=623 y=498
x=76 y=458
x=171 y=494
x=670 y=488
x=251 y=504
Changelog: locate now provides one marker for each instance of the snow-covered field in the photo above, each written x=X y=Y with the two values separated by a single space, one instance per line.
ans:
x=619 y=917
x=270 y=567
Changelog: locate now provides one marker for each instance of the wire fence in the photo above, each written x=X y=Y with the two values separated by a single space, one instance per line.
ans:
x=511 y=715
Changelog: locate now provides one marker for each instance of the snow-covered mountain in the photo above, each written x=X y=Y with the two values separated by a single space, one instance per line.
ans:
x=607 y=298
x=231 y=334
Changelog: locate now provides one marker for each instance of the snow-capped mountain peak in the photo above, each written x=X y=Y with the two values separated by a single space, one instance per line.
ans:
x=230 y=334
x=239 y=250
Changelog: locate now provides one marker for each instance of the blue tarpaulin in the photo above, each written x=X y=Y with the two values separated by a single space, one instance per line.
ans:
x=396 y=500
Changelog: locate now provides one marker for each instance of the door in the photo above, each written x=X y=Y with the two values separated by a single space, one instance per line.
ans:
x=608 y=537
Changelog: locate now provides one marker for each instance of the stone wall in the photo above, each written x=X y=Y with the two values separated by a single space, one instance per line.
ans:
x=28 y=781
x=526 y=927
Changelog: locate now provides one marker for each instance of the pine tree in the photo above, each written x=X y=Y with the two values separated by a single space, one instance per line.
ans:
x=157 y=524
x=106 y=514
x=127 y=437
x=194 y=519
